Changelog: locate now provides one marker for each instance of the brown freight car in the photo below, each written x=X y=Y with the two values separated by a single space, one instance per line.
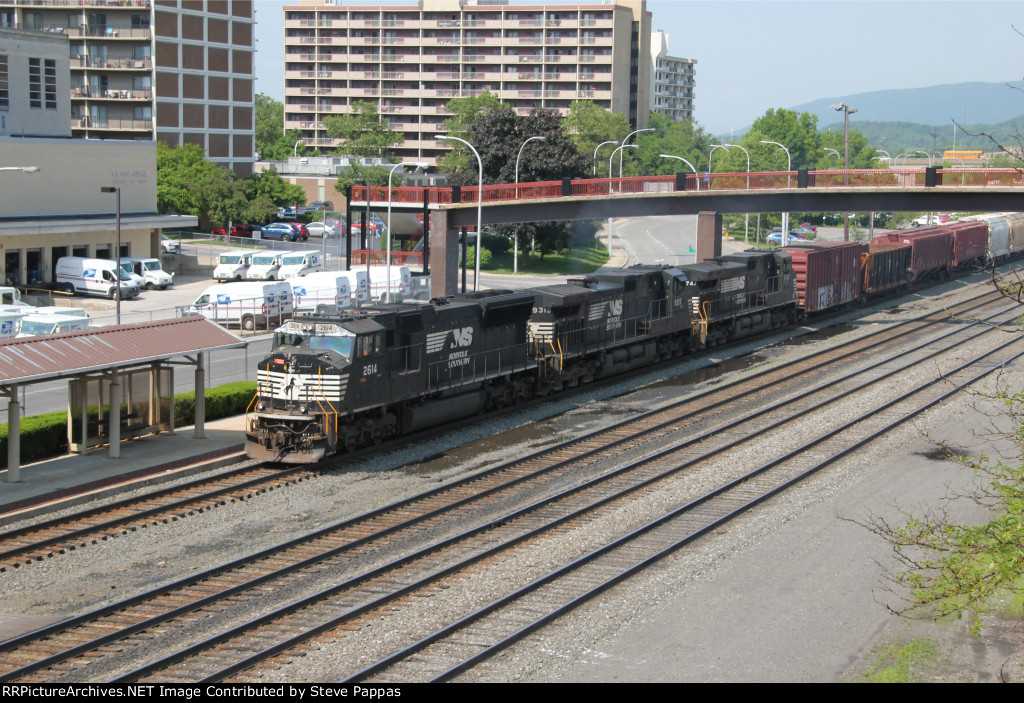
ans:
x=885 y=267
x=828 y=274
x=970 y=243
x=931 y=251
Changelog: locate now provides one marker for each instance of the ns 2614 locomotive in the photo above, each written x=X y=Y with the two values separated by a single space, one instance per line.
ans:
x=335 y=383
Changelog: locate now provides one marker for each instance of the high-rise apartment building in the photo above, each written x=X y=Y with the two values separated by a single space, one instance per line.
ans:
x=412 y=59
x=177 y=71
x=672 y=81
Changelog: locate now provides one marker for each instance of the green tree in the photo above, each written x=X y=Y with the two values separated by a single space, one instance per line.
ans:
x=588 y=125
x=362 y=132
x=862 y=154
x=188 y=184
x=270 y=185
x=357 y=174
x=798 y=132
x=684 y=139
x=269 y=115
x=465 y=111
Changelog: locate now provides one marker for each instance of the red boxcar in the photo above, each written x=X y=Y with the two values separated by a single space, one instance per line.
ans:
x=827 y=273
x=885 y=266
x=931 y=251
x=970 y=243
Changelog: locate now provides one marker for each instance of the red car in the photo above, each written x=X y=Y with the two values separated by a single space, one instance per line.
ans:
x=238 y=230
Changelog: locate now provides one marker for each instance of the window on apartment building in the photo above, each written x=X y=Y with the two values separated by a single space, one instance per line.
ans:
x=33 y=20
x=50 y=83
x=144 y=112
x=35 y=83
x=5 y=98
x=140 y=21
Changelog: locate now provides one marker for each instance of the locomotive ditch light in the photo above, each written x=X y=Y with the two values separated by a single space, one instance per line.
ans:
x=261 y=406
x=303 y=408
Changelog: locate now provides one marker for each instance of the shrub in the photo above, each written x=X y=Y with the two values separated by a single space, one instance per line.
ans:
x=47 y=435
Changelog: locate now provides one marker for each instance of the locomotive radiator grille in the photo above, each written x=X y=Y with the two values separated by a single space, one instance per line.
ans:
x=302 y=386
x=541 y=331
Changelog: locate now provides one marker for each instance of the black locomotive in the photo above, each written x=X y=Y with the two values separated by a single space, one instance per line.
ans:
x=339 y=382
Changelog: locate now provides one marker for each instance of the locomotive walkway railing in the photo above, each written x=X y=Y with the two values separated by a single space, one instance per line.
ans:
x=775 y=180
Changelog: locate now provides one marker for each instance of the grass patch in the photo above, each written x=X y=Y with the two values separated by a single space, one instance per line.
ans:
x=899 y=664
x=577 y=261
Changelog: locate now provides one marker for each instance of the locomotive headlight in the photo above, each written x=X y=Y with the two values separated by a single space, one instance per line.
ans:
x=303 y=408
x=261 y=406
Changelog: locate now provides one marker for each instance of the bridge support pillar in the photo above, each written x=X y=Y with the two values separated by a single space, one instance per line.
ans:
x=709 y=235
x=444 y=247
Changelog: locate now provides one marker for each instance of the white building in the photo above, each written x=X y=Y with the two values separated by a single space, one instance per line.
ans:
x=52 y=205
x=672 y=81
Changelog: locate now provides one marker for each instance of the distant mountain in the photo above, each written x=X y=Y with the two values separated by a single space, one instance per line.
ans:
x=973 y=103
x=922 y=118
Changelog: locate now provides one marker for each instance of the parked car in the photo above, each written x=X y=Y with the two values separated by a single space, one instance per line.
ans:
x=285 y=230
x=327 y=228
x=320 y=205
x=802 y=232
x=238 y=230
x=775 y=237
x=169 y=246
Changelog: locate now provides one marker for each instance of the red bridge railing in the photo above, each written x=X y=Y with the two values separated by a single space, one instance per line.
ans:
x=774 y=180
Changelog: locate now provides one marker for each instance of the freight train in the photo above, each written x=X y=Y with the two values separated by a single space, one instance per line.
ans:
x=333 y=383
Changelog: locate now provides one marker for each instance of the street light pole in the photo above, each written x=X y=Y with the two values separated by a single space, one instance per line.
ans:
x=295 y=149
x=117 y=251
x=515 y=236
x=847 y=111
x=746 y=220
x=680 y=158
x=648 y=129
x=479 y=203
x=595 y=157
x=789 y=167
x=387 y=268
x=611 y=158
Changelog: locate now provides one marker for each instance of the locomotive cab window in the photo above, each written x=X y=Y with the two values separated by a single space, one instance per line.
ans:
x=368 y=344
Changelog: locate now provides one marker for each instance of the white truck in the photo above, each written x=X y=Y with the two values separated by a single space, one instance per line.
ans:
x=11 y=296
x=10 y=317
x=38 y=324
x=265 y=266
x=248 y=304
x=151 y=272
x=321 y=292
x=300 y=263
x=357 y=285
x=234 y=265
x=76 y=274
x=398 y=288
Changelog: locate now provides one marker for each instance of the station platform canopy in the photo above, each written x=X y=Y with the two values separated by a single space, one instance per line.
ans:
x=106 y=367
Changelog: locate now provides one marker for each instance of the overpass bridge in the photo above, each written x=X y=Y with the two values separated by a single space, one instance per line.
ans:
x=449 y=210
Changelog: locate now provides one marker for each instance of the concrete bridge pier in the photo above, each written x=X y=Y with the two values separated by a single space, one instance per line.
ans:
x=709 y=235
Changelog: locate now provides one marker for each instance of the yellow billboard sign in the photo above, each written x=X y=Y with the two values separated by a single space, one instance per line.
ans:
x=965 y=155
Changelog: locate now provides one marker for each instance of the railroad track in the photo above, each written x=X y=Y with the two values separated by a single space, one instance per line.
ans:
x=209 y=618
x=39 y=541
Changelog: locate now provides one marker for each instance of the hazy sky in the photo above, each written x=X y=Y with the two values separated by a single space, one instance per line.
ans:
x=758 y=54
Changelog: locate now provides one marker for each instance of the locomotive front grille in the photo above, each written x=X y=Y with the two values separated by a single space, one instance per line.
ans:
x=302 y=386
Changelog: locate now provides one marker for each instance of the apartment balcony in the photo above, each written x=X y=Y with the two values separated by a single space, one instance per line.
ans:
x=79 y=63
x=85 y=92
x=443 y=58
x=531 y=40
x=531 y=58
x=113 y=125
x=319 y=91
x=110 y=5
x=108 y=32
